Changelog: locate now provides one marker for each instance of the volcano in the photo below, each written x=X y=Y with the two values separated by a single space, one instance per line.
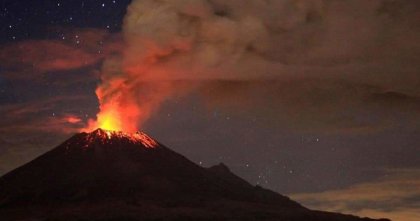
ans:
x=109 y=175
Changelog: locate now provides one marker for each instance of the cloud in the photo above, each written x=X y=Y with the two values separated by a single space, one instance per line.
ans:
x=31 y=59
x=31 y=128
x=72 y=119
x=360 y=42
x=332 y=106
x=45 y=55
x=395 y=196
x=42 y=115
x=270 y=39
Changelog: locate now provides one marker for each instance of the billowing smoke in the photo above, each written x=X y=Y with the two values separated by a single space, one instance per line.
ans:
x=168 y=42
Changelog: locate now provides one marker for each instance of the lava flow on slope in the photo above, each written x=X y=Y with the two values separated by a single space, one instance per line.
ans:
x=109 y=136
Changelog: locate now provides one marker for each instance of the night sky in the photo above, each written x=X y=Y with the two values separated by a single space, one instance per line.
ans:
x=323 y=106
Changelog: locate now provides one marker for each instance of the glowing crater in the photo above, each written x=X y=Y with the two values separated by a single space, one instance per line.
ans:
x=110 y=135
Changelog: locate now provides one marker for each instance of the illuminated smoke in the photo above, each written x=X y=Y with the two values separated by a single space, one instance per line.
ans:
x=167 y=41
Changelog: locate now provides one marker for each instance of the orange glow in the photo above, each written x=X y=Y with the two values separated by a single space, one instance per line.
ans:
x=109 y=120
x=73 y=119
x=117 y=112
x=123 y=107
x=107 y=136
x=131 y=91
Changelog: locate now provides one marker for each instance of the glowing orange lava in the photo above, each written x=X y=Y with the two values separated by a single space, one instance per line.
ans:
x=109 y=120
x=107 y=136
x=115 y=115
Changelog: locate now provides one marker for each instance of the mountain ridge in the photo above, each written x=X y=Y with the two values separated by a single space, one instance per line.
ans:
x=103 y=170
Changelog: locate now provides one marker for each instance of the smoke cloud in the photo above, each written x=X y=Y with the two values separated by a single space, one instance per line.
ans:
x=173 y=47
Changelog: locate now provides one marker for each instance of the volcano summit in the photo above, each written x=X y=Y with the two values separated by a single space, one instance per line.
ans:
x=109 y=175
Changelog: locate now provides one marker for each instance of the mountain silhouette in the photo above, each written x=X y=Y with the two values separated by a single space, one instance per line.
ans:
x=108 y=175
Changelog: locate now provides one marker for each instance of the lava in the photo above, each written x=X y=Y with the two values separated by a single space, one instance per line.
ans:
x=106 y=136
x=117 y=112
x=109 y=120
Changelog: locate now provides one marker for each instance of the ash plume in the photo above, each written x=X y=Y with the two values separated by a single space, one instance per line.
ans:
x=171 y=41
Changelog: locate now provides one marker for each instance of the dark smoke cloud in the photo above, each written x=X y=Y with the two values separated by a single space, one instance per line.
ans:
x=371 y=43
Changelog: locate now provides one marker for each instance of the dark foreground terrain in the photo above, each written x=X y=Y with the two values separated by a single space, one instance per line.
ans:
x=115 y=176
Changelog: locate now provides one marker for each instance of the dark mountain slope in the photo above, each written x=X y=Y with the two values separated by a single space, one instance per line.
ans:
x=107 y=175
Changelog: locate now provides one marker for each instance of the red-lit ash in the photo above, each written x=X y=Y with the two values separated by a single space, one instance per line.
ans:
x=107 y=136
